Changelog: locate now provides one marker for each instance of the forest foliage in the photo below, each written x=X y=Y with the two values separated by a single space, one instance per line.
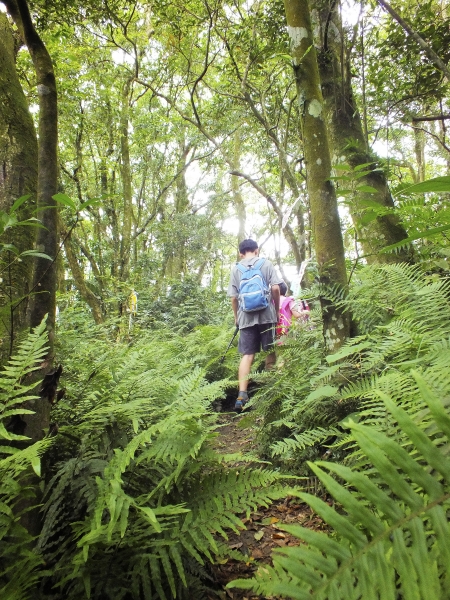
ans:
x=181 y=131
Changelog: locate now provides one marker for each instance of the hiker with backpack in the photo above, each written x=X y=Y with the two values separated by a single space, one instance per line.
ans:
x=255 y=298
x=289 y=308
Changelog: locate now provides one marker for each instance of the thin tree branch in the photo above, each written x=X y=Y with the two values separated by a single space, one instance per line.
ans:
x=431 y=118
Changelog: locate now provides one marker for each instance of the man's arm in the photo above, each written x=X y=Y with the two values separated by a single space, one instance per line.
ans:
x=235 y=304
x=275 y=289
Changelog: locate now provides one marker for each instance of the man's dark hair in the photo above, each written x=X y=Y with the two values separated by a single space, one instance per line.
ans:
x=248 y=246
x=283 y=288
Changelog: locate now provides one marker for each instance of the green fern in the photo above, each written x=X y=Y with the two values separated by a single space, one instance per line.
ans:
x=144 y=493
x=19 y=564
x=394 y=538
x=301 y=440
x=405 y=317
x=13 y=391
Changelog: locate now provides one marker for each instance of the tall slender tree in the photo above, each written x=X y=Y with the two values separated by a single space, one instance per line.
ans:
x=348 y=141
x=326 y=228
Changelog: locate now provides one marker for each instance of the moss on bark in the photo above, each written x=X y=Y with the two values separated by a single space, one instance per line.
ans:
x=326 y=228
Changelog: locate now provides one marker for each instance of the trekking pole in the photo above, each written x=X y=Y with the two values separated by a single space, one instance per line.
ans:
x=229 y=345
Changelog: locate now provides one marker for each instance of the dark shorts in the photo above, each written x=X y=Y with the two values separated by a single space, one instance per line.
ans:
x=252 y=338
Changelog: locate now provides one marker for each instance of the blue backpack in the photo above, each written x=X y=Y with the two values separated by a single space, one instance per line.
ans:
x=253 y=289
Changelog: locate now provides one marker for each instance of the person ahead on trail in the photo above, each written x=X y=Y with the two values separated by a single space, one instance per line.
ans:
x=255 y=298
x=289 y=307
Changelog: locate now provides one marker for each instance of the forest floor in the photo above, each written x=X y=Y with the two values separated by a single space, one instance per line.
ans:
x=262 y=533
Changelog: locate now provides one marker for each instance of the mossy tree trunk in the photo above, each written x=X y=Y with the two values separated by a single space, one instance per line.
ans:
x=348 y=141
x=44 y=281
x=43 y=301
x=18 y=177
x=326 y=228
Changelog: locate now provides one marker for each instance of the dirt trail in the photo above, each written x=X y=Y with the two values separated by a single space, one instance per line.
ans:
x=262 y=533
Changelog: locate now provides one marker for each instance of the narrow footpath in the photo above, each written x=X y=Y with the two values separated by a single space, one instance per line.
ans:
x=262 y=533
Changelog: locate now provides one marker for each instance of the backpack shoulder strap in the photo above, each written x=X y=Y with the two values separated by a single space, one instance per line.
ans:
x=259 y=263
x=241 y=268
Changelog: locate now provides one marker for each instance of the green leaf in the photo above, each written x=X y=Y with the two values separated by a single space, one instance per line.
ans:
x=19 y=202
x=325 y=391
x=36 y=464
x=33 y=222
x=437 y=184
x=348 y=351
x=286 y=57
x=367 y=188
x=368 y=217
x=422 y=235
x=87 y=583
x=64 y=199
x=92 y=202
x=151 y=517
x=9 y=248
x=361 y=174
x=362 y=166
x=348 y=500
x=36 y=254
x=124 y=517
x=9 y=221
x=6 y=435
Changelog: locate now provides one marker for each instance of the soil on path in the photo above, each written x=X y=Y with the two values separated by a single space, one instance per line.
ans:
x=262 y=533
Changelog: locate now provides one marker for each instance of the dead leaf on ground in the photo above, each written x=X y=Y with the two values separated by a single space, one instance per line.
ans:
x=270 y=521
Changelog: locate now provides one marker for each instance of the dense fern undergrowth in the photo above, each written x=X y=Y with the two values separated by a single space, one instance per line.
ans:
x=137 y=500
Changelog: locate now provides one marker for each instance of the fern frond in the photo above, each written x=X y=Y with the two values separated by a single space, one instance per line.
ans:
x=394 y=537
x=19 y=564
x=299 y=441
x=13 y=391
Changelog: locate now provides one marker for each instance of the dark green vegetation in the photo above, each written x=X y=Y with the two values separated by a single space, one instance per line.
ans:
x=183 y=129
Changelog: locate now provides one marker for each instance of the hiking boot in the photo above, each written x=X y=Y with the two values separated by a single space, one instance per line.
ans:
x=241 y=401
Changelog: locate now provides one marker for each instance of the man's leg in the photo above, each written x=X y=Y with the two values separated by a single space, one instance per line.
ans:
x=248 y=346
x=244 y=371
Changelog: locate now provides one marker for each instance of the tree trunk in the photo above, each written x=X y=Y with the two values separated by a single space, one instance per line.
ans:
x=326 y=226
x=125 y=244
x=18 y=177
x=348 y=141
x=43 y=302
x=238 y=200
x=181 y=209
x=88 y=296
x=44 y=280
x=419 y=149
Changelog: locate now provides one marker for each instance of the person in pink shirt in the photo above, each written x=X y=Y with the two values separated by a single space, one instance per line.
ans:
x=289 y=307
